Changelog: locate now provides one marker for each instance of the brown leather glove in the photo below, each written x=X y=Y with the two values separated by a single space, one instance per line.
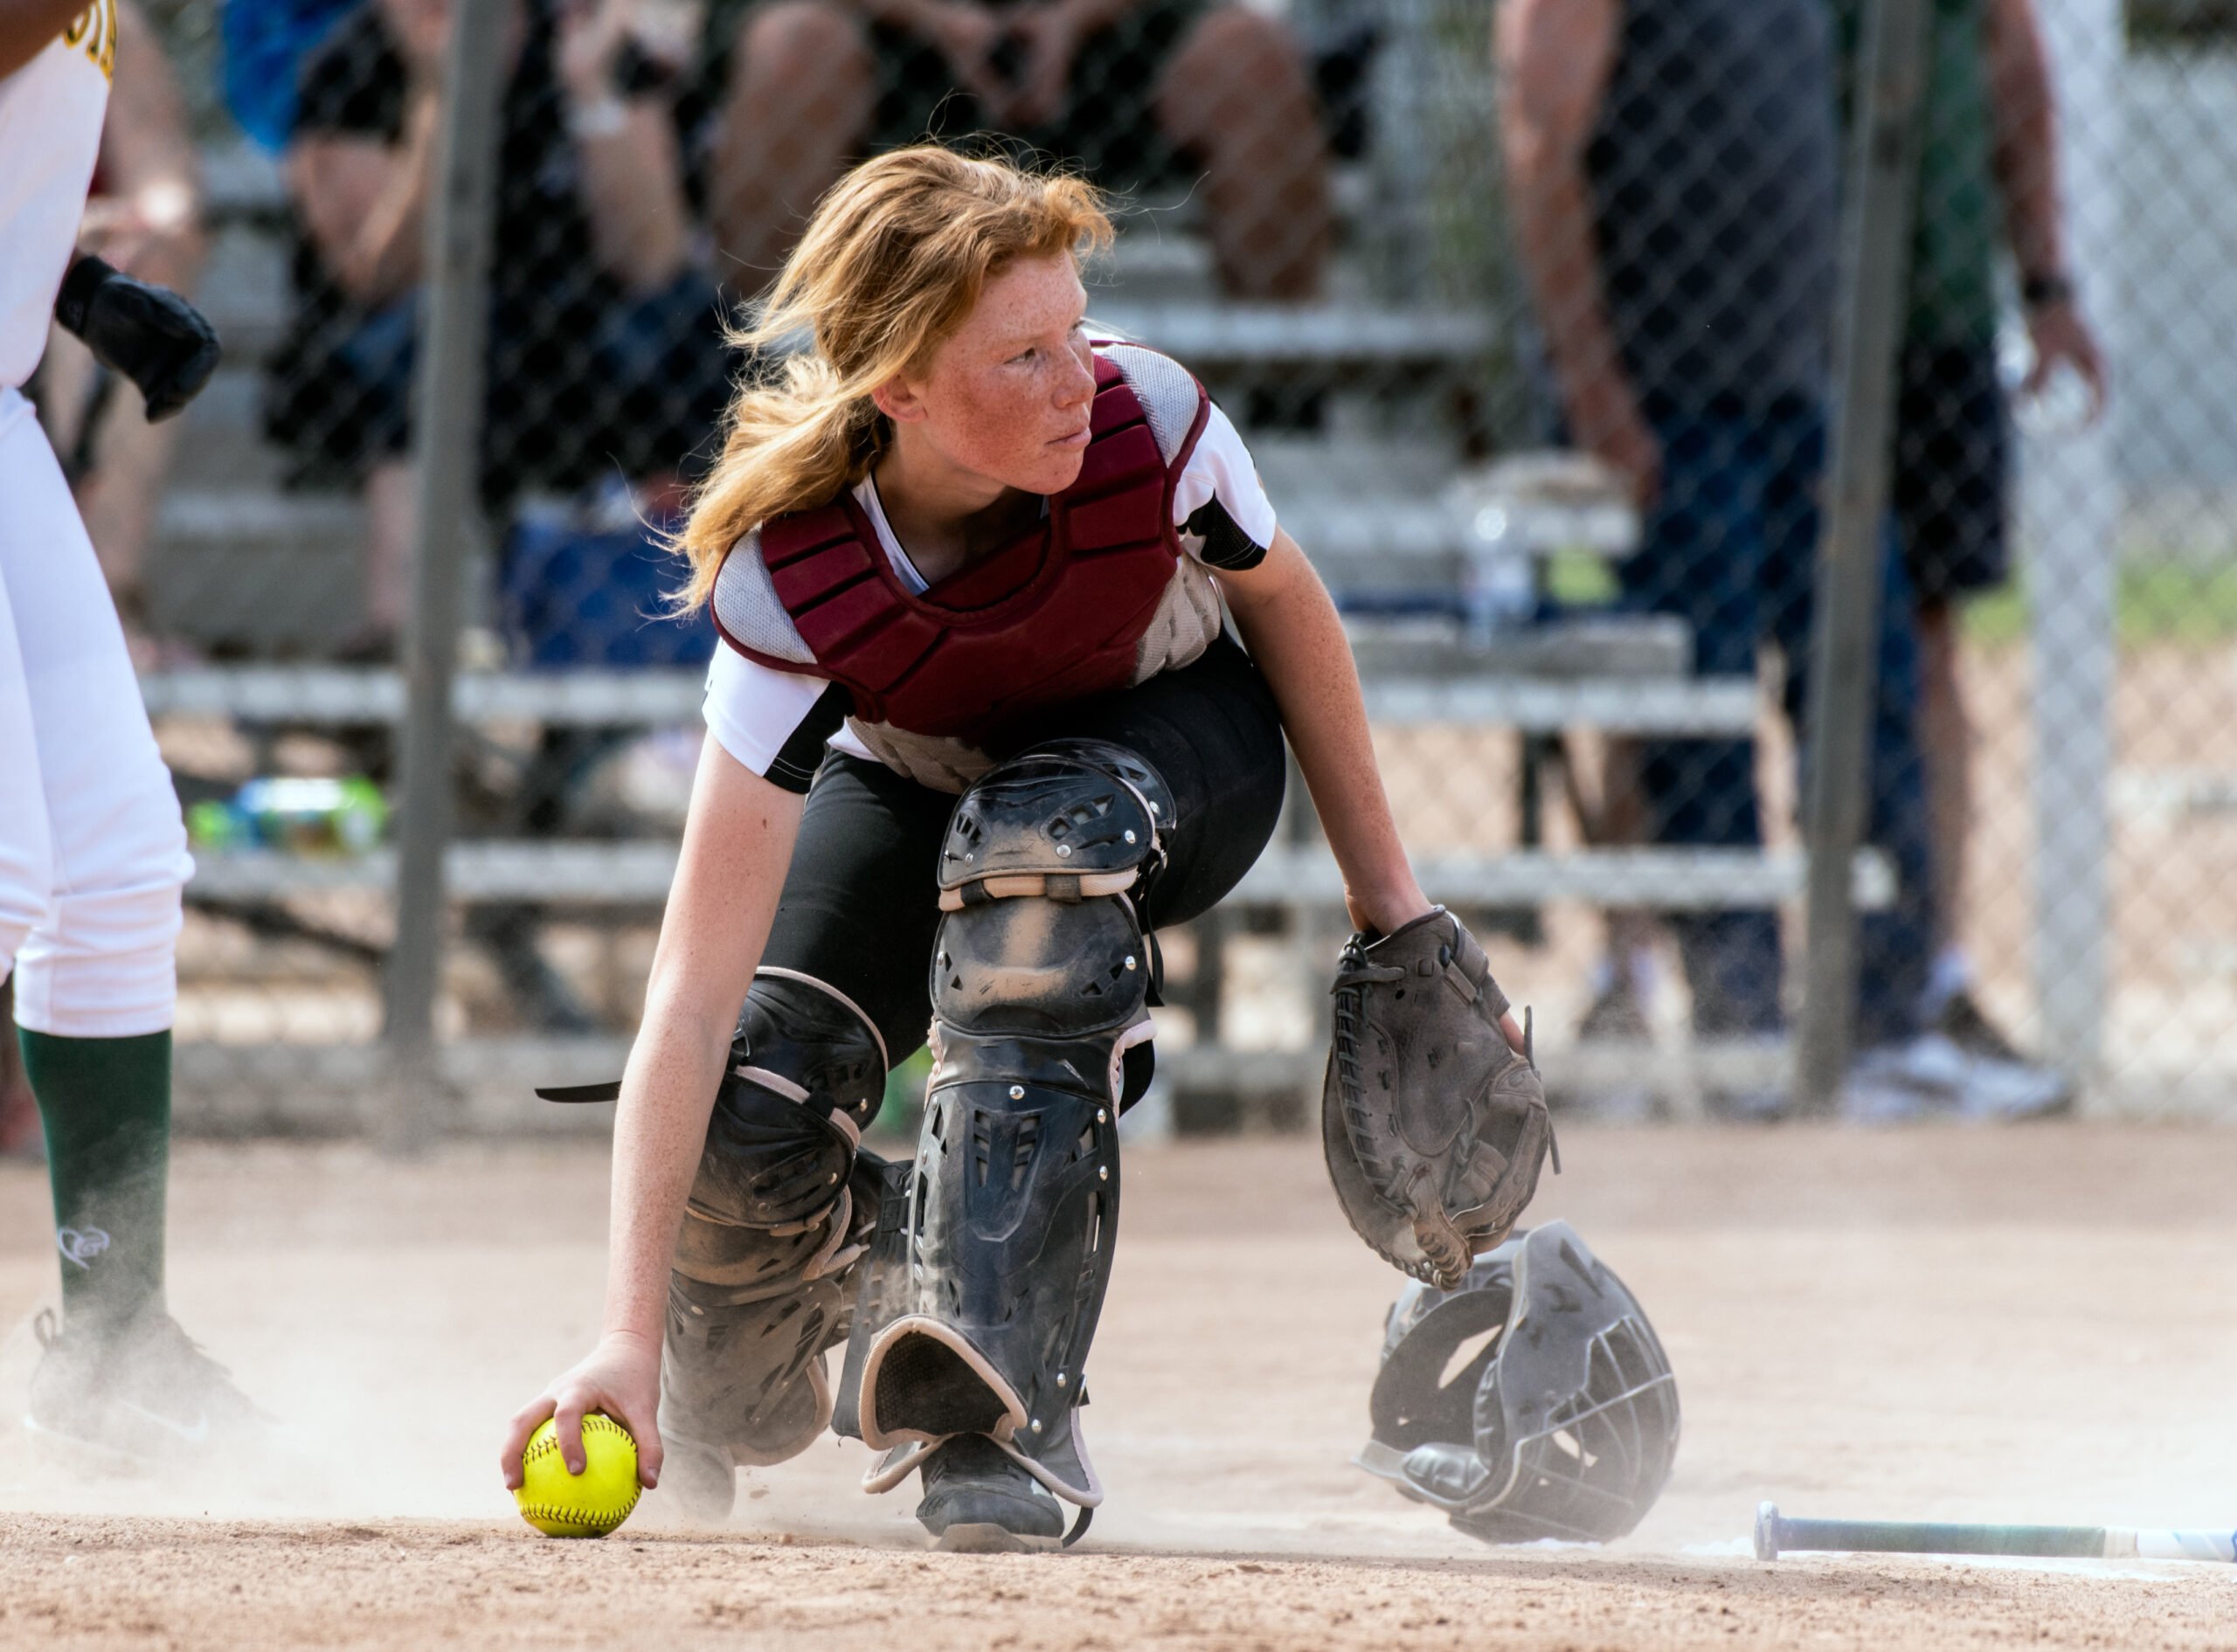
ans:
x=1435 y=1128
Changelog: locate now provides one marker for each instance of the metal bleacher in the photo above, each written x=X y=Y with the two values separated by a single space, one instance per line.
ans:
x=268 y=577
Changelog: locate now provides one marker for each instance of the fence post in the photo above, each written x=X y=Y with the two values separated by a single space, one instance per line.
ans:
x=1878 y=185
x=1405 y=83
x=446 y=418
x=2070 y=501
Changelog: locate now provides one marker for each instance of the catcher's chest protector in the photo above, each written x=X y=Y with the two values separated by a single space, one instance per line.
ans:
x=1054 y=616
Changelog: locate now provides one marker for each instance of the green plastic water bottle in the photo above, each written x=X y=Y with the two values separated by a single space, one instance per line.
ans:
x=301 y=816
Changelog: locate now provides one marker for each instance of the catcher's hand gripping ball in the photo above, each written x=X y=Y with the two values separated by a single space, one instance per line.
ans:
x=588 y=1504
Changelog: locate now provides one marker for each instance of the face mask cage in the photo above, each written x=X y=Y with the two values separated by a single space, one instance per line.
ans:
x=1596 y=1469
x=1563 y=1399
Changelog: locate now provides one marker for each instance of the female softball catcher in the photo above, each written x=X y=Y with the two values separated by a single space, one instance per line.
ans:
x=982 y=559
x=93 y=854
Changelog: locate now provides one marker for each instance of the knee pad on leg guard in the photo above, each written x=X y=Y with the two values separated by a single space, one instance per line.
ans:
x=1040 y=985
x=779 y=1215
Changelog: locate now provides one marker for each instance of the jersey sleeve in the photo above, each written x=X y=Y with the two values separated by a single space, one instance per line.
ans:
x=774 y=723
x=1225 y=519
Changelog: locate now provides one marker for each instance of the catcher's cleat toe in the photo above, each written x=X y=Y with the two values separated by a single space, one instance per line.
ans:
x=699 y=1481
x=978 y=1500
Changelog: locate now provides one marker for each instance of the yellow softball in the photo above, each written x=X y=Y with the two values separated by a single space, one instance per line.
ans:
x=588 y=1504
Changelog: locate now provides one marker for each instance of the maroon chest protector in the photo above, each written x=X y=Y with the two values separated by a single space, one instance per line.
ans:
x=1055 y=615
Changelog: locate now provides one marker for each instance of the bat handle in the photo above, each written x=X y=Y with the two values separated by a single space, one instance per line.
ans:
x=1767 y=1531
x=1775 y=1532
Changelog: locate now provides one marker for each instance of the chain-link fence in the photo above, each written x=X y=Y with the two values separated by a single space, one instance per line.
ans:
x=1537 y=321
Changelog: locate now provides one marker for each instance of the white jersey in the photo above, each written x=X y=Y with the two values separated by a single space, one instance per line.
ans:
x=50 y=113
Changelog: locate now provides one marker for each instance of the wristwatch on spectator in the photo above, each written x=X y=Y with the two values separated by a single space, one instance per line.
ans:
x=2039 y=292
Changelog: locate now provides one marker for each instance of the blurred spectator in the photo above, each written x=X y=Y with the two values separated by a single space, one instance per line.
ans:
x=265 y=42
x=1674 y=171
x=1123 y=88
x=605 y=347
x=1988 y=161
x=144 y=215
x=20 y=1136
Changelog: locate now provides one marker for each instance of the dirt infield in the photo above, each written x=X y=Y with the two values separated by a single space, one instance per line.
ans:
x=2029 y=1326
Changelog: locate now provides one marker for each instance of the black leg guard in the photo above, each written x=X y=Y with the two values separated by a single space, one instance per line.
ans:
x=781 y=1213
x=1039 y=986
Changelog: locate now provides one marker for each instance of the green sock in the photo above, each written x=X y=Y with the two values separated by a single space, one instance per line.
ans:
x=107 y=1106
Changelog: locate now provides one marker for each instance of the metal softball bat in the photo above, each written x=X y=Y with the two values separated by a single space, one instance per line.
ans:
x=1776 y=1534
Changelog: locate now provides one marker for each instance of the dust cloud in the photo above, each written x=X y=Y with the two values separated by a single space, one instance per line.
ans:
x=1926 y=1325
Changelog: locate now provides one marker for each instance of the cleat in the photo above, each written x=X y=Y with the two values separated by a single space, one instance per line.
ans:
x=1933 y=1077
x=978 y=1500
x=1964 y=1023
x=1617 y=1015
x=1616 y=1019
x=143 y=1396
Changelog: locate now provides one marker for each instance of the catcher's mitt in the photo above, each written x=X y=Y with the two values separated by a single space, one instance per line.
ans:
x=1435 y=1127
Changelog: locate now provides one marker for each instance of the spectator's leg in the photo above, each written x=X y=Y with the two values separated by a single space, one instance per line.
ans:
x=1236 y=96
x=20 y=1135
x=391 y=516
x=119 y=497
x=1703 y=560
x=801 y=90
x=1615 y=819
x=1946 y=734
x=1952 y=457
x=344 y=404
x=1893 y=946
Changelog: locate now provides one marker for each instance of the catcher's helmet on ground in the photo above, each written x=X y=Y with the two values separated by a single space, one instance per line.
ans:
x=1560 y=1420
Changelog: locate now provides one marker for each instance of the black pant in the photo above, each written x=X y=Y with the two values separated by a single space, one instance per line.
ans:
x=861 y=904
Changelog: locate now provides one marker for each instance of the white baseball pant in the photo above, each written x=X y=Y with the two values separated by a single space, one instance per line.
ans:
x=93 y=852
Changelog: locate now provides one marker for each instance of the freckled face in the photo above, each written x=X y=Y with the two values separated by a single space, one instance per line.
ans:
x=1008 y=395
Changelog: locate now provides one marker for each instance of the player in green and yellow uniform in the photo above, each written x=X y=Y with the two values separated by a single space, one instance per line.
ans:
x=93 y=855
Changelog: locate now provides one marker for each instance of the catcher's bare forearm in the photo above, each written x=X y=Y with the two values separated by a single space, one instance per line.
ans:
x=667 y=1091
x=1295 y=635
x=736 y=845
